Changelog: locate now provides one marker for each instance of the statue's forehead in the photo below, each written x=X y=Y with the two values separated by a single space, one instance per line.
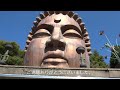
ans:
x=65 y=19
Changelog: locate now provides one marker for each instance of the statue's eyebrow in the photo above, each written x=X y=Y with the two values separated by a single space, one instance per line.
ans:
x=67 y=27
x=46 y=26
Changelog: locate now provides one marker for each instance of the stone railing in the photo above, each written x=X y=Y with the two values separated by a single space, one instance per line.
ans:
x=11 y=71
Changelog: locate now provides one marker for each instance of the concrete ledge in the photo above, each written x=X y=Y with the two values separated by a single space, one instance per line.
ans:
x=18 y=76
x=11 y=71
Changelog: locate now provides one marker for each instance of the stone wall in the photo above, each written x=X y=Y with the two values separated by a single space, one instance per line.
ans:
x=11 y=71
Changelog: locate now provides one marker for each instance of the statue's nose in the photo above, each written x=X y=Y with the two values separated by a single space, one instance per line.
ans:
x=56 y=34
x=56 y=40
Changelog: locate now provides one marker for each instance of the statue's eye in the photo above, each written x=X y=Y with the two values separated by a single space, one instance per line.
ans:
x=41 y=33
x=71 y=34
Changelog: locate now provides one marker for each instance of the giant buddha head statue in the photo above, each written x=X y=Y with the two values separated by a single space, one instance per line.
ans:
x=54 y=40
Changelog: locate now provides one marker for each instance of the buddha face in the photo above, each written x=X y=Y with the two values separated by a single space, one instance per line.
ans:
x=54 y=43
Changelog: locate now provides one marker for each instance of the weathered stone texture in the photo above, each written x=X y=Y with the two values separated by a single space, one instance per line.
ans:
x=19 y=71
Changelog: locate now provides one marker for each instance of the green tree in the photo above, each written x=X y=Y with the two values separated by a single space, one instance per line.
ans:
x=97 y=61
x=115 y=62
x=2 y=47
x=15 y=60
x=15 y=54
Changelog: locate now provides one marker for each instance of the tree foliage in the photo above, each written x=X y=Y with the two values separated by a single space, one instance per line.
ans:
x=97 y=61
x=15 y=60
x=15 y=54
x=114 y=63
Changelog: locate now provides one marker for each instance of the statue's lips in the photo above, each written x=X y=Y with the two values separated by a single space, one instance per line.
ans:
x=54 y=58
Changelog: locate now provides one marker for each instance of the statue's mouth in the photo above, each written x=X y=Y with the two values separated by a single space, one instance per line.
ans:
x=54 y=60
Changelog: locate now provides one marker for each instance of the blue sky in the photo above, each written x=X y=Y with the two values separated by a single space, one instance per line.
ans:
x=15 y=26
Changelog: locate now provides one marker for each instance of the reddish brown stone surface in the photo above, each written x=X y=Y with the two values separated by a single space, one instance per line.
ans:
x=54 y=39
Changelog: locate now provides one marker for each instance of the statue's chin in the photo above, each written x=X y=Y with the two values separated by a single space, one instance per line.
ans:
x=54 y=63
